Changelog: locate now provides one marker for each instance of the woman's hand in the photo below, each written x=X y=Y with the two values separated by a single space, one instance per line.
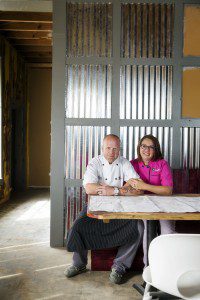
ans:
x=137 y=184
x=140 y=185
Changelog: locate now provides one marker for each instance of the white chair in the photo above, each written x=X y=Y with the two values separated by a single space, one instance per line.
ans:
x=174 y=266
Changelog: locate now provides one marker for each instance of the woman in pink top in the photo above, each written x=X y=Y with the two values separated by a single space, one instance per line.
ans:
x=156 y=177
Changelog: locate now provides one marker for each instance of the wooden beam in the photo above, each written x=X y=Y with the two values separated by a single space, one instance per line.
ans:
x=28 y=48
x=38 y=59
x=21 y=16
x=34 y=42
x=39 y=65
x=23 y=26
x=38 y=54
x=27 y=34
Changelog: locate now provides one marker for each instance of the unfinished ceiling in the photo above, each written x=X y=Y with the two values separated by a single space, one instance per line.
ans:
x=30 y=33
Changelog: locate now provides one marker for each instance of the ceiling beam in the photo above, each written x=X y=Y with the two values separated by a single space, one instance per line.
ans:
x=29 y=48
x=30 y=33
x=38 y=54
x=22 y=16
x=23 y=26
x=27 y=34
x=34 y=42
x=38 y=59
x=39 y=65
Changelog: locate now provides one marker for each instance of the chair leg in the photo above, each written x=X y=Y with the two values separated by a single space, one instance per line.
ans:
x=139 y=288
x=147 y=295
x=162 y=295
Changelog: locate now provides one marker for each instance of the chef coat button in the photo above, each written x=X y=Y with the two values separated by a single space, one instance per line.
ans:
x=102 y=164
x=115 y=178
x=117 y=164
x=106 y=178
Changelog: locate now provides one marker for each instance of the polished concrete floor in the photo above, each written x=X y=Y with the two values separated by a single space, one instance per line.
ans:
x=31 y=269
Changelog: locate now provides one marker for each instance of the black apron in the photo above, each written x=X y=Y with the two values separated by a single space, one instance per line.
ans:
x=89 y=233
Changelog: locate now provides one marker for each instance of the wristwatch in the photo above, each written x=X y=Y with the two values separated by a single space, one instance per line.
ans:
x=116 y=191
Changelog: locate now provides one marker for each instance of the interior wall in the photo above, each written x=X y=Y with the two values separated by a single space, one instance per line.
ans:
x=191 y=30
x=191 y=93
x=14 y=105
x=191 y=75
x=39 y=95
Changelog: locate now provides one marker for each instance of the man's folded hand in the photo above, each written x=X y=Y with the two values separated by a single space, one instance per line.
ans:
x=105 y=190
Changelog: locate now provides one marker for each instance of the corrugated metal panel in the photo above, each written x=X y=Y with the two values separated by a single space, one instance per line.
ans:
x=190 y=148
x=89 y=29
x=147 y=30
x=75 y=199
x=88 y=91
x=82 y=143
x=130 y=137
x=146 y=92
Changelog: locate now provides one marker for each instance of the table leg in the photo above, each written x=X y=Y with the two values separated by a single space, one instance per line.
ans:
x=106 y=220
x=152 y=227
x=151 y=234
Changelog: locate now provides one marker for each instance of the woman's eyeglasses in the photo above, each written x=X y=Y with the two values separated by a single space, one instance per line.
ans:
x=145 y=147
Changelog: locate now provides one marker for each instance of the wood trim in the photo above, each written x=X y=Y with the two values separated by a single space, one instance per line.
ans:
x=144 y=216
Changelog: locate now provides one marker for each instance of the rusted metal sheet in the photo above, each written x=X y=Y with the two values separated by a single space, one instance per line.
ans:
x=147 y=30
x=89 y=29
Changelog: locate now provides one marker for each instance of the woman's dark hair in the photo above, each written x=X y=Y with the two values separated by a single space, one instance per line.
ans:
x=157 y=152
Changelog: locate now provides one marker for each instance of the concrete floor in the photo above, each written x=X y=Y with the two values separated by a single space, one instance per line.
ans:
x=30 y=269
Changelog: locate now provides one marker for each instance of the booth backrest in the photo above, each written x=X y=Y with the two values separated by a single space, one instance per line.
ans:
x=186 y=181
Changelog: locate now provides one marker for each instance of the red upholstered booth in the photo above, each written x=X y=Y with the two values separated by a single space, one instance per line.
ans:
x=185 y=181
x=102 y=260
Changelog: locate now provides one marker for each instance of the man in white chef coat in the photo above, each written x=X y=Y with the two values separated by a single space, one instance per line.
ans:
x=105 y=176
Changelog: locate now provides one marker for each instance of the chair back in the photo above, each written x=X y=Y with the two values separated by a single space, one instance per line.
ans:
x=174 y=261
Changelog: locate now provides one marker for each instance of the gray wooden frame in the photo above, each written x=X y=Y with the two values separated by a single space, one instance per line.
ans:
x=58 y=124
x=58 y=180
x=1 y=135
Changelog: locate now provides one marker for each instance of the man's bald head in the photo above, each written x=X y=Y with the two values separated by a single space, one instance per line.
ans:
x=112 y=137
x=111 y=147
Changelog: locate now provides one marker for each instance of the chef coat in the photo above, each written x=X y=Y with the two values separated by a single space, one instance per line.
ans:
x=155 y=173
x=100 y=171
